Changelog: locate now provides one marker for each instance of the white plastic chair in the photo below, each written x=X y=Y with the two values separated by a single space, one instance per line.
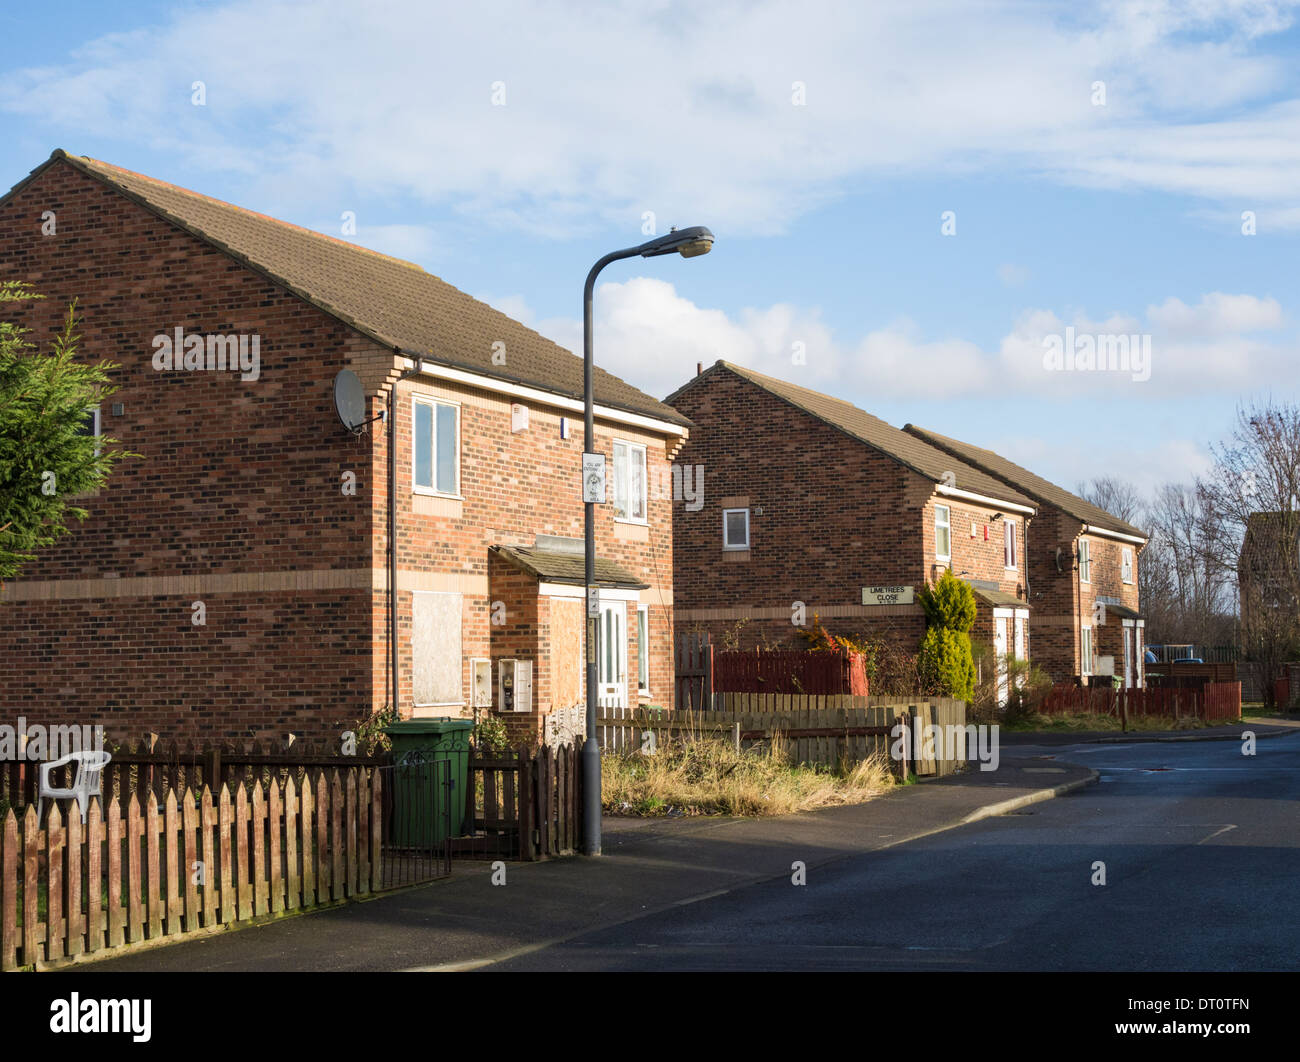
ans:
x=90 y=765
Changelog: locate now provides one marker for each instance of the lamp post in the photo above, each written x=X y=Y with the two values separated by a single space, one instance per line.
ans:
x=689 y=243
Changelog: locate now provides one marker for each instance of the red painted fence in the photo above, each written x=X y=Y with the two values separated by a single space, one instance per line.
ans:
x=786 y=671
x=1215 y=701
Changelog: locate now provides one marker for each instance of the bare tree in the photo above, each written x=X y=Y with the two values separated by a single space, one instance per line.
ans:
x=1188 y=592
x=1118 y=497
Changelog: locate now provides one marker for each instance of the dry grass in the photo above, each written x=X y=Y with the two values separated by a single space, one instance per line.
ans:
x=709 y=777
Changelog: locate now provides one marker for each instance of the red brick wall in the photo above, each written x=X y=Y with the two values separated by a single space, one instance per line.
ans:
x=234 y=478
x=1054 y=595
x=239 y=489
x=514 y=486
x=837 y=516
x=1107 y=582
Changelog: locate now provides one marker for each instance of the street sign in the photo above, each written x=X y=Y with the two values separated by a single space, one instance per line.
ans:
x=593 y=478
x=888 y=595
x=593 y=602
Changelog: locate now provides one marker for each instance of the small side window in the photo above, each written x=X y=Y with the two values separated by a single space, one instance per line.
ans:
x=91 y=426
x=735 y=529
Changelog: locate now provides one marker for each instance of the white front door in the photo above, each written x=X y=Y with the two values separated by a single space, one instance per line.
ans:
x=1000 y=654
x=612 y=689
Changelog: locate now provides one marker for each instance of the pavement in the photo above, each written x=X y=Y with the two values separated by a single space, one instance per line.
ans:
x=649 y=866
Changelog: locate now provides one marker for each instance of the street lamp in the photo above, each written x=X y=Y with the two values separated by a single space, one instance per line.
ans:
x=689 y=243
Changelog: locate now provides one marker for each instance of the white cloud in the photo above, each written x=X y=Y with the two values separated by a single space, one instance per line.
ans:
x=1217 y=314
x=653 y=337
x=687 y=110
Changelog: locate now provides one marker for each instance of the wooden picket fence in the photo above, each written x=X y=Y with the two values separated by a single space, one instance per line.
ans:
x=135 y=873
x=154 y=767
x=1211 y=702
x=827 y=731
x=524 y=804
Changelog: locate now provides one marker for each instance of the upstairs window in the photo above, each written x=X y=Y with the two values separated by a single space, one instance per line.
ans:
x=942 y=533
x=1009 y=543
x=735 y=529
x=1126 y=565
x=1085 y=562
x=629 y=482
x=436 y=447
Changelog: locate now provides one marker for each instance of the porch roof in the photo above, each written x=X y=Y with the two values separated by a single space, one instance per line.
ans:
x=998 y=598
x=565 y=566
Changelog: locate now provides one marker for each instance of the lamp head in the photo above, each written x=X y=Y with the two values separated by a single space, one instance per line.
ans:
x=689 y=243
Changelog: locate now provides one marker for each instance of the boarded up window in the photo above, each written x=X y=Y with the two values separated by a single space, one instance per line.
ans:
x=435 y=640
x=568 y=615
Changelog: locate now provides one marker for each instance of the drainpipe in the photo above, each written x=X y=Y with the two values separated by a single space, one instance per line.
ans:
x=392 y=530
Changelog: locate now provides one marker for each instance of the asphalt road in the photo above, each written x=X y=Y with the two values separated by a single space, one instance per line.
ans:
x=1201 y=847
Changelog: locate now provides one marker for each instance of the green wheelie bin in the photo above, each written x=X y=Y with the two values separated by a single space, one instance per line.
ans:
x=420 y=798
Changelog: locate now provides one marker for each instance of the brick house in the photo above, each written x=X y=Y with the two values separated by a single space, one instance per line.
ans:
x=1082 y=570
x=812 y=506
x=1268 y=571
x=235 y=580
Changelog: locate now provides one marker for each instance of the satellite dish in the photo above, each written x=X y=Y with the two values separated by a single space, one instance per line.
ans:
x=350 y=400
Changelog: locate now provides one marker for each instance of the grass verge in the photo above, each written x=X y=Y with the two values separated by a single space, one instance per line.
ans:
x=709 y=777
x=1082 y=721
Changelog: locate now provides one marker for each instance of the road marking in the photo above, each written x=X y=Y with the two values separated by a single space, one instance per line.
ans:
x=1225 y=829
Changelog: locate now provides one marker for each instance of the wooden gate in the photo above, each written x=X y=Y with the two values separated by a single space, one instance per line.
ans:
x=694 y=673
x=523 y=805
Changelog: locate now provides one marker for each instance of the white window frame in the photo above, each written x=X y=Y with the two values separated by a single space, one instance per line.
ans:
x=433 y=491
x=947 y=526
x=97 y=431
x=632 y=448
x=1010 y=554
x=1126 y=565
x=642 y=650
x=1085 y=562
x=731 y=545
x=1085 y=651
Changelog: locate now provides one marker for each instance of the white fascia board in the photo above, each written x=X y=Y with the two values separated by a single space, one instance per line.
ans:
x=1092 y=529
x=607 y=593
x=549 y=398
x=983 y=499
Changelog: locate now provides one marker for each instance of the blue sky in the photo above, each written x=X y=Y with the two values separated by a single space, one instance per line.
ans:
x=1098 y=160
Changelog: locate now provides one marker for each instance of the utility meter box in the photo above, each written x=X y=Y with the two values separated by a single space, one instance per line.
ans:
x=514 y=686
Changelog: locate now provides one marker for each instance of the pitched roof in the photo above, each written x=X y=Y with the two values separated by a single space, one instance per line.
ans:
x=1266 y=536
x=567 y=566
x=1043 y=491
x=393 y=301
x=919 y=456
